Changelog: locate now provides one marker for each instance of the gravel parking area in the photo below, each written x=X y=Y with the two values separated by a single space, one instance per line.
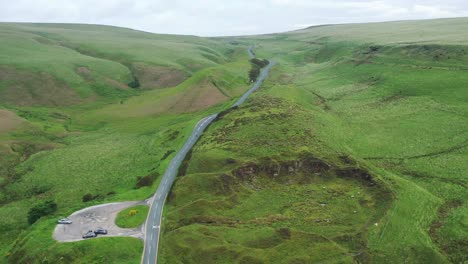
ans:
x=99 y=216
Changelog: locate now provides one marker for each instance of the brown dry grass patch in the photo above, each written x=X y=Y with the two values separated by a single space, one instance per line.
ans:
x=9 y=121
x=199 y=97
x=151 y=77
x=187 y=99
x=117 y=84
x=85 y=73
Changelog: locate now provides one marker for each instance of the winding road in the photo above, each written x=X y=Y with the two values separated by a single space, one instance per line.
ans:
x=153 y=222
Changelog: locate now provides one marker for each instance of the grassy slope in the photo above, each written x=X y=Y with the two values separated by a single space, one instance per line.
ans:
x=390 y=95
x=97 y=60
x=394 y=96
x=102 y=142
x=385 y=108
x=219 y=214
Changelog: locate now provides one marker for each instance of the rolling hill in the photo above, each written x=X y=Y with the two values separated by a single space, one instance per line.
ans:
x=353 y=151
x=382 y=99
x=73 y=122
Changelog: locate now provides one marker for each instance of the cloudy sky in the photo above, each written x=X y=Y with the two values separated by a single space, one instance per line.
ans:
x=225 y=17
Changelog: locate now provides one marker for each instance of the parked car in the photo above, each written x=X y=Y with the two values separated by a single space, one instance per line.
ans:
x=100 y=231
x=89 y=234
x=64 y=221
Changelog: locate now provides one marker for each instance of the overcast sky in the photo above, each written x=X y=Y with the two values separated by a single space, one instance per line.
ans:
x=225 y=17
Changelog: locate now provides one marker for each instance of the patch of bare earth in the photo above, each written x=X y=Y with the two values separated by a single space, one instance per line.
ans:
x=455 y=249
x=9 y=121
x=85 y=73
x=24 y=88
x=117 y=84
x=151 y=77
x=203 y=95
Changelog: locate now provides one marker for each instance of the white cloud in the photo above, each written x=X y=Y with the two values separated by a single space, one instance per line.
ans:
x=223 y=17
x=433 y=11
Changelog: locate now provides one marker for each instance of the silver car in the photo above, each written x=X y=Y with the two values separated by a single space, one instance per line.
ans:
x=64 y=221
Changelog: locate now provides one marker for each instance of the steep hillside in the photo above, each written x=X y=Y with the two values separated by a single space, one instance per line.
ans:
x=90 y=109
x=394 y=96
x=389 y=98
x=64 y=64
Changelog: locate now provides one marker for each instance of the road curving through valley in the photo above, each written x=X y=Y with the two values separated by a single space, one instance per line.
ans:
x=153 y=222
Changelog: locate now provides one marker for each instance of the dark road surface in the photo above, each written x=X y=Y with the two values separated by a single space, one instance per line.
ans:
x=153 y=222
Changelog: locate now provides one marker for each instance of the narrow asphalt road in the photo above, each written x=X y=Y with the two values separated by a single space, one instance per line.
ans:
x=251 y=52
x=153 y=222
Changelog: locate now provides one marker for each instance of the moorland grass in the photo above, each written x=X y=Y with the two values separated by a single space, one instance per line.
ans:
x=388 y=98
x=103 y=144
x=398 y=107
x=216 y=209
x=96 y=61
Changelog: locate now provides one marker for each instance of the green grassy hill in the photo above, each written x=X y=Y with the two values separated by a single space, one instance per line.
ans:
x=387 y=98
x=353 y=151
x=77 y=63
x=436 y=31
x=71 y=125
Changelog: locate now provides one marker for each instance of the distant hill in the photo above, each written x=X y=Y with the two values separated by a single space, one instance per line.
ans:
x=440 y=31
x=65 y=64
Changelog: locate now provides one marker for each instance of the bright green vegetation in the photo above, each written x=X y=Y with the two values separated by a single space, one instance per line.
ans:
x=354 y=150
x=132 y=217
x=78 y=63
x=71 y=127
x=391 y=98
x=401 y=109
x=273 y=203
x=103 y=250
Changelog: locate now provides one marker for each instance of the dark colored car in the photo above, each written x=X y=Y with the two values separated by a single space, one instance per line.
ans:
x=100 y=231
x=89 y=234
